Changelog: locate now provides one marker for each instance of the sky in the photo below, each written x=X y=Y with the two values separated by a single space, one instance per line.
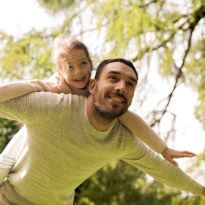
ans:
x=18 y=17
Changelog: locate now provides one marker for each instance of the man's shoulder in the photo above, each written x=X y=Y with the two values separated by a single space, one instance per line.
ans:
x=123 y=131
x=54 y=96
x=127 y=143
x=54 y=99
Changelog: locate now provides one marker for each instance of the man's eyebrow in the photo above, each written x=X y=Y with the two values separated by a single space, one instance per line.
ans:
x=118 y=73
x=114 y=72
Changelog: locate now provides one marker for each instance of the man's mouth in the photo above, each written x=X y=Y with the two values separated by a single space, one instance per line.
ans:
x=118 y=99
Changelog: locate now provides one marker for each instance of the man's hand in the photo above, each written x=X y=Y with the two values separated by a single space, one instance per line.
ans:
x=170 y=154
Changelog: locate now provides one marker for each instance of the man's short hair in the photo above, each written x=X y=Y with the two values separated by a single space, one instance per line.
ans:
x=102 y=65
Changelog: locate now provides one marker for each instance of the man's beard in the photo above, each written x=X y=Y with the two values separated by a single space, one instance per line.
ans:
x=108 y=114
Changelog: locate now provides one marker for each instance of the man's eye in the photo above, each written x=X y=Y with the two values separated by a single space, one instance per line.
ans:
x=131 y=84
x=113 y=77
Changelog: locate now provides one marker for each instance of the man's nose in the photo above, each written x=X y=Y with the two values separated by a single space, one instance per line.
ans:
x=120 y=87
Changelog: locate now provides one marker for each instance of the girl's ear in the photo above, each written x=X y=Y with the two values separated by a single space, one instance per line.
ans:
x=92 y=85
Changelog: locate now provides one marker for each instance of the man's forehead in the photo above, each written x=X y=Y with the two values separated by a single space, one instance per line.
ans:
x=119 y=68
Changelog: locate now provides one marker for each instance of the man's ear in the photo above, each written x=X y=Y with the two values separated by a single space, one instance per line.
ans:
x=92 y=85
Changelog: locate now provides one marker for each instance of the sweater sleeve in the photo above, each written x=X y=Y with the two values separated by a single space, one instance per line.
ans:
x=33 y=107
x=19 y=88
x=143 y=131
x=15 y=89
x=147 y=161
x=19 y=109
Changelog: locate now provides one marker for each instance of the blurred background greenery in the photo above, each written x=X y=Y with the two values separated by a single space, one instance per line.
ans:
x=170 y=33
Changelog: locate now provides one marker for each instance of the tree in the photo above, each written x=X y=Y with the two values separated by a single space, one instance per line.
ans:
x=121 y=184
x=7 y=129
x=170 y=33
x=167 y=31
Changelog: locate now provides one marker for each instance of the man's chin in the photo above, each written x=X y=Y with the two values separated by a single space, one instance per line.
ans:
x=110 y=114
x=108 y=111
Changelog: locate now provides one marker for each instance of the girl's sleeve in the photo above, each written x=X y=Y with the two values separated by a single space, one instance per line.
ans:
x=19 y=88
x=143 y=131
x=11 y=153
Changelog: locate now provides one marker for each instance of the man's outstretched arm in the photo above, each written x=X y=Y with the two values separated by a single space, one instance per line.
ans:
x=163 y=171
x=29 y=108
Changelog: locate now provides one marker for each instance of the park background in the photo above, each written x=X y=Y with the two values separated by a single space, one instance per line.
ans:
x=166 y=42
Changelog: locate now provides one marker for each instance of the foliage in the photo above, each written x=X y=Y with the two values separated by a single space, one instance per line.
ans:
x=167 y=31
x=28 y=56
x=123 y=184
x=195 y=75
x=171 y=32
x=7 y=129
x=55 y=5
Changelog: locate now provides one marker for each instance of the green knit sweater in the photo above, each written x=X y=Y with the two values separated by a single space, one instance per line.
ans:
x=63 y=149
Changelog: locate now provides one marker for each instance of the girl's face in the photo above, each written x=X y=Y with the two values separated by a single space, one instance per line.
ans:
x=76 y=69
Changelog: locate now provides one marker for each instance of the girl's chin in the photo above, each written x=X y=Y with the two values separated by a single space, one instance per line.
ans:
x=83 y=88
x=79 y=87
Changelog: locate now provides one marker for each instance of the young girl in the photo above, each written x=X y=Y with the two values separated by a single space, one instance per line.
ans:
x=74 y=66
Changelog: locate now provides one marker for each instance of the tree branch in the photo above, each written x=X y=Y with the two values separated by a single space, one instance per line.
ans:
x=193 y=22
x=163 y=43
x=178 y=76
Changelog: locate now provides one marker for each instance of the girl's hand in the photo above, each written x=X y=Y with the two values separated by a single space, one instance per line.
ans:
x=170 y=154
x=63 y=86
x=47 y=86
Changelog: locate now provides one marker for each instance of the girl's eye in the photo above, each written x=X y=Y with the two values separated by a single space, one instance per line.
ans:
x=69 y=67
x=83 y=63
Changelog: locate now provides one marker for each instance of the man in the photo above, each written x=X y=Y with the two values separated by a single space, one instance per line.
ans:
x=70 y=137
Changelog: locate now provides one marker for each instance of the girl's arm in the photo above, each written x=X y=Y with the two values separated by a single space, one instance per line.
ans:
x=144 y=132
x=19 y=88
x=11 y=153
x=55 y=84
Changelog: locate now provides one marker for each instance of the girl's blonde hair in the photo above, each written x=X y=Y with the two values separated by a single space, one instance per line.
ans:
x=63 y=45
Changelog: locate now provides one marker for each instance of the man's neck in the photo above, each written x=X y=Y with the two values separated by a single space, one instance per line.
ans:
x=95 y=119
